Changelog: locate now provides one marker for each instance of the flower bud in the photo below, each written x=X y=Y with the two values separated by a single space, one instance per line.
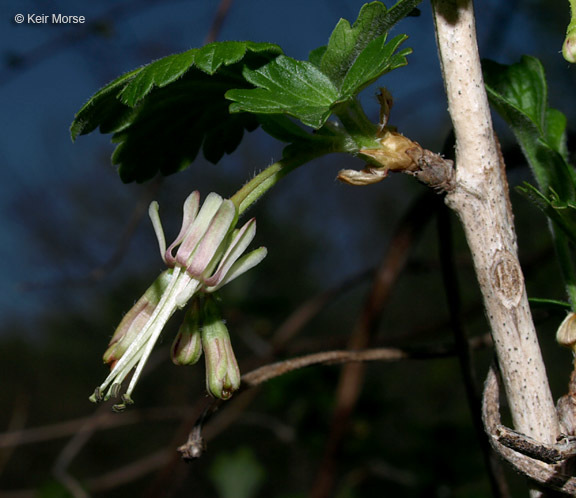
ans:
x=391 y=154
x=566 y=335
x=135 y=319
x=222 y=372
x=569 y=46
x=187 y=346
x=395 y=153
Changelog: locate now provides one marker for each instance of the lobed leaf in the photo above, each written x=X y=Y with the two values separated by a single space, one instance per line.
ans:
x=103 y=109
x=375 y=60
x=311 y=91
x=347 y=42
x=158 y=73
x=162 y=114
x=287 y=86
x=173 y=123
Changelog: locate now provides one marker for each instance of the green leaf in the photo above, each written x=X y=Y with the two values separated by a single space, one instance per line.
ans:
x=521 y=86
x=158 y=73
x=103 y=109
x=162 y=114
x=212 y=56
x=168 y=69
x=285 y=85
x=346 y=43
x=519 y=94
x=562 y=214
x=301 y=90
x=556 y=131
x=312 y=90
x=375 y=60
x=173 y=123
x=315 y=56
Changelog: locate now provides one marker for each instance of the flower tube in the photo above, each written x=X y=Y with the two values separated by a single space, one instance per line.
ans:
x=207 y=254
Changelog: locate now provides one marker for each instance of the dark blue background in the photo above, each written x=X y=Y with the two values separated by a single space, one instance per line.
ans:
x=63 y=210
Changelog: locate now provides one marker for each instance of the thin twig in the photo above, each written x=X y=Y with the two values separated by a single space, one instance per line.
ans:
x=110 y=480
x=69 y=452
x=17 y=421
x=103 y=420
x=267 y=372
x=564 y=449
x=130 y=472
x=351 y=378
x=310 y=308
x=203 y=427
x=198 y=433
x=217 y=23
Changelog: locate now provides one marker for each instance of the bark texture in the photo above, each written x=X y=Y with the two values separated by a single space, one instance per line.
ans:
x=480 y=198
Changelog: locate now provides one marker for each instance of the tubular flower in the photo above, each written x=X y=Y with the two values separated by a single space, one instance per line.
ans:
x=206 y=255
x=187 y=345
x=222 y=372
x=569 y=46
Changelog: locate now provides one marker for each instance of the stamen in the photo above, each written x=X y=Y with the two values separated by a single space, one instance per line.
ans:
x=115 y=389
x=97 y=396
x=120 y=407
x=166 y=307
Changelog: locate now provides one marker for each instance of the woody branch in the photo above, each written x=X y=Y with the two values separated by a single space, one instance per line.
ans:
x=480 y=198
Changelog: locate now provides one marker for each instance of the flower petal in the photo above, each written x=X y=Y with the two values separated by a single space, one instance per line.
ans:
x=192 y=233
x=137 y=353
x=237 y=246
x=191 y=205
x=207 y=250
x=136 y=319
x=190 y=212
x=158 y=230
x=241 y=266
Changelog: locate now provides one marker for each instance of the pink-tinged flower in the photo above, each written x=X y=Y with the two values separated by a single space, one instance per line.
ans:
x=187 y=345
x=222 y=372
x=206 y=255
x=135 y=319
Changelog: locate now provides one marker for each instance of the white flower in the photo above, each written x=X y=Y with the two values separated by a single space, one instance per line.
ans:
x=206 y=255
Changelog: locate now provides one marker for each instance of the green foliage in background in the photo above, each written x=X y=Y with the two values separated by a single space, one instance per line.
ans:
x=519 y=93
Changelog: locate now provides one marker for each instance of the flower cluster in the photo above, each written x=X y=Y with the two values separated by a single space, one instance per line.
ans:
x=206 y=255
x=203 y=330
